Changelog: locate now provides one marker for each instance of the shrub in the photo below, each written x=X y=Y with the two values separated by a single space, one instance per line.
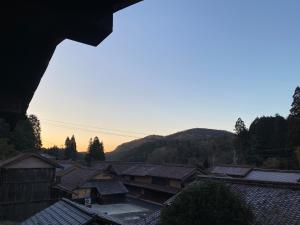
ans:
x=209 y=203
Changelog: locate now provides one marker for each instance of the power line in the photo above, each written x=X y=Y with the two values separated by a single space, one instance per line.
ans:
x=91 y=131
x=96 y=127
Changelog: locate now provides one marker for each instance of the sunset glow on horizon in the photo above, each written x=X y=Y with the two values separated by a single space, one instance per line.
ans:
x=166 y=69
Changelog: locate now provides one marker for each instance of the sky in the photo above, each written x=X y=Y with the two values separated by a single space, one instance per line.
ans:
x=172 y=65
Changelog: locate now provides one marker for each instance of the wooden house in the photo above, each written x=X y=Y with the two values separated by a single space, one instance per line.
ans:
x=25 y=185
x=92 y=183
x=156 y=182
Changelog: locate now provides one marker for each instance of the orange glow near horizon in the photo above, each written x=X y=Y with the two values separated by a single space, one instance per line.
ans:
x=56 y=136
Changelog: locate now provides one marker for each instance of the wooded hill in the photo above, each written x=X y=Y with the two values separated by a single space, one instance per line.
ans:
x=199 y=145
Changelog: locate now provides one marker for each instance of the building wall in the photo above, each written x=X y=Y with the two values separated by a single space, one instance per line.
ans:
x=175 y=184
x=102 y=176
x=24 y=191
x=81 y=193
x=145 y=180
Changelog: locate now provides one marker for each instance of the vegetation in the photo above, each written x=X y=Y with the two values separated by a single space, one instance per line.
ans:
x=210 y=203
x=203 y=147
x=70 y=148
x=273 y=141
x=95 y=151
x=25 y=137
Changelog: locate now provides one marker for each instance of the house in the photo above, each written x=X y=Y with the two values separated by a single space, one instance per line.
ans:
x=26 y=183
x=66 y=212
x=91 y=183
x=106 y=191
x=156 y=182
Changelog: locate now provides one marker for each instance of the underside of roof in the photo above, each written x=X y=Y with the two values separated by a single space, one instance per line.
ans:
x=33 y=29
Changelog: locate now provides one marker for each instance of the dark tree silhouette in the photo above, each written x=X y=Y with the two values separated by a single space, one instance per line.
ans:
x=240 y=127
x=209 y=203
x=295 y=110
x=35 y=122
x=95 y=151
x=241 y=143
x=70 y=148
x=294 y=121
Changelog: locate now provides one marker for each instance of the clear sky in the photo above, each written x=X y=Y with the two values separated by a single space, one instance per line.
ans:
x=172 y=65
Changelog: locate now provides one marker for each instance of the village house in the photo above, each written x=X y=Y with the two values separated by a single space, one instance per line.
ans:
x=91 y=184
x=26 y=183
x=156 y=182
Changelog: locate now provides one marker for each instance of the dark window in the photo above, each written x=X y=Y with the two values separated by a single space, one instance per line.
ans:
x=160 y=181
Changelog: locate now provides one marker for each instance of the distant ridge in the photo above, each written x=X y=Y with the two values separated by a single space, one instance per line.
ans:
x=150 y=148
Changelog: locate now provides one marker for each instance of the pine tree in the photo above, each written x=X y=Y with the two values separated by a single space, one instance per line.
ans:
x=295 y=110
x=242 y=141
x=240 y=127
x=67 y=148
x=294 y=121
x=36 y=126
x=96 y=150
x=73 y=148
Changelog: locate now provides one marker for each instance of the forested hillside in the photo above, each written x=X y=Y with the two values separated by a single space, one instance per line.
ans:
x=199 y=146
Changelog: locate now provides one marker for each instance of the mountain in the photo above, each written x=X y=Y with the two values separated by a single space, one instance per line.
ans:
x=190 y=146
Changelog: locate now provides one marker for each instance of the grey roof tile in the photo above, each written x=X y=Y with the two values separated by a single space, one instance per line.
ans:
x=66 y=212
x=272 y=203
x=107 y=187
x=274 y=176
x=237 y=171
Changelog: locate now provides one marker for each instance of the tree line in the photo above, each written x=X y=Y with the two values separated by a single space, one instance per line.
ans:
x=271 y=141
x=95 y=151
x=25 y=137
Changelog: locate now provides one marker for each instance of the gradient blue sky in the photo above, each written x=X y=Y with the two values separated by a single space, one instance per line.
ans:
x=172 y=65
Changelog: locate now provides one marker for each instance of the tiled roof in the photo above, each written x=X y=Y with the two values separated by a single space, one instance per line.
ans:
x=155 y=187
x=66 y=212
x=272 y=203
x=234 y=171
x=153 y=219
x=76 y=178
x=274 y=175
x=170 y=171
x=107 y=187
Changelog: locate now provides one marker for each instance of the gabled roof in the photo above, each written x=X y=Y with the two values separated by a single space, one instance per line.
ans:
x=66 y=212
x=107 y=187
x=170 y=171
x=23 y=156
x=76 y=178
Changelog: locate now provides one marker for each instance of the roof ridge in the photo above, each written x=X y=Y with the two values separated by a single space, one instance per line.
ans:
x=80 y=207
x=273 y=184
x=276 y=170
x=26 y=155
x=235 y=166
x=154 y=163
